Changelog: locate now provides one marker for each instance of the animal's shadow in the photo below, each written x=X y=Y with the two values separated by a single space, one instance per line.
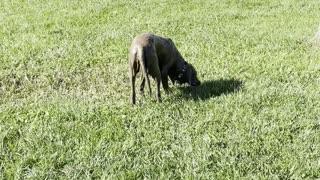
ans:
x=212 y=88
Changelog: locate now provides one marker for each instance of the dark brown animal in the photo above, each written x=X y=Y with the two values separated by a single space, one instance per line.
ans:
x=158 y=57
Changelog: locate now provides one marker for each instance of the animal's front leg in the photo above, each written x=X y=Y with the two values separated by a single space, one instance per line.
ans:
x=164 y=79
x=158 y=79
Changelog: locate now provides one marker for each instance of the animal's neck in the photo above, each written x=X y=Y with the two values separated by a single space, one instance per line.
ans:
x=181 y=62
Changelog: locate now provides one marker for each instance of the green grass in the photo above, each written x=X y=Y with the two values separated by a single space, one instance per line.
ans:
x=65 y=110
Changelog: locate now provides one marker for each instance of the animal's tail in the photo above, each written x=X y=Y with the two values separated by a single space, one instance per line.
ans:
x=144 y=68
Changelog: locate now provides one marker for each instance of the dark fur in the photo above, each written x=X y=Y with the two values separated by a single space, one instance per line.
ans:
x=158 y=57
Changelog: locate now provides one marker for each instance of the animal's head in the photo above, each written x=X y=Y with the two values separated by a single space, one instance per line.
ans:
x=188 y=75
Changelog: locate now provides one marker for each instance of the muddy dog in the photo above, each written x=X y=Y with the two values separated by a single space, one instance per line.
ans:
x=158 y=57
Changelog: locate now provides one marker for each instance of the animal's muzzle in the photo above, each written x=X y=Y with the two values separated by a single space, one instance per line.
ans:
x=197 y=83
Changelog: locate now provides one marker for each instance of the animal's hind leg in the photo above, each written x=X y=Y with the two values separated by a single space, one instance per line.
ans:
x=143 y=81
x=157 y=77
x=133 y=70
x=132 y=80
x=153 y=69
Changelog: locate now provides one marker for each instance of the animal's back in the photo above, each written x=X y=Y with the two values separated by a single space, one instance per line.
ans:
x=143 y=40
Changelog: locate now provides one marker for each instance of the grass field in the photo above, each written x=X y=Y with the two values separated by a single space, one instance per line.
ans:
x=65 y=110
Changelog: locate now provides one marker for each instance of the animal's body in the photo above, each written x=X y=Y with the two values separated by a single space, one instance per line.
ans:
x=158 y=57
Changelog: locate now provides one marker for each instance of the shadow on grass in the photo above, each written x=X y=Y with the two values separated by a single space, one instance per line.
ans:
x=212 y=88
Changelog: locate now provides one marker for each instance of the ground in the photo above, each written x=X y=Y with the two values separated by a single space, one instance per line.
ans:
x=65 y=109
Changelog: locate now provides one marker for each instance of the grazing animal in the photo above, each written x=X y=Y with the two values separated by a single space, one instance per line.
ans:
x=158 y=57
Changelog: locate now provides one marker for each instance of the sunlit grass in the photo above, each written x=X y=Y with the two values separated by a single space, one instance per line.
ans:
x=65 y=110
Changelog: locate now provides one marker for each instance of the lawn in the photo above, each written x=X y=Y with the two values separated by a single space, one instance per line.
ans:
x=65 y=109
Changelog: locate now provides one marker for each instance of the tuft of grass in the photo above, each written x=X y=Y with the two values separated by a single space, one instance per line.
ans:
x=64 y=91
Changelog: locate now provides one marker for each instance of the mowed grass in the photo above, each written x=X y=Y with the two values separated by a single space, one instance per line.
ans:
x=65 y=110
